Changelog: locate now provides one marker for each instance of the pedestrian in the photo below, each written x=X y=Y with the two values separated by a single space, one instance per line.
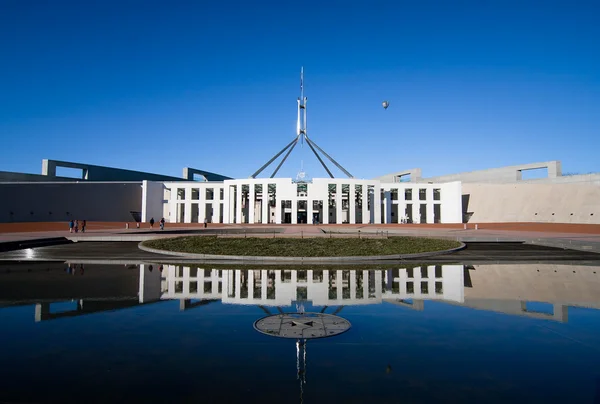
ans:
x=152 y=223
x=205 y=222
x=76 y=225
x=162 y=223
x=71 y=224
x=83 y=224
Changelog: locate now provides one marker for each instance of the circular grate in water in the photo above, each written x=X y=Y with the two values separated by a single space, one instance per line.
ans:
x=302 y=325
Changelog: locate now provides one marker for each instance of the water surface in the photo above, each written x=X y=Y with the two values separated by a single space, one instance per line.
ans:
x=165 y=333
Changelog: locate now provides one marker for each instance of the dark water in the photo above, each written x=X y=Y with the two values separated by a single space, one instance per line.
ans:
x=447 y=333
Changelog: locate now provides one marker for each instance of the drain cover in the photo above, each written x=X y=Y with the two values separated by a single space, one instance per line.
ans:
x=302 y=325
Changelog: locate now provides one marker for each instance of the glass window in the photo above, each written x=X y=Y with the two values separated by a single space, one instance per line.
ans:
x=436 y=194
x=408 y=194
x=422 y=194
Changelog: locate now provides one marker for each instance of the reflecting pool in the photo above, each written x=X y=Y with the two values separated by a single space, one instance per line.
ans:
x=168 y=333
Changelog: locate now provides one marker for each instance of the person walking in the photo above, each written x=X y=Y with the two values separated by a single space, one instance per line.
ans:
x=71 y=224
x=152 y=223
x=83 y=224
x=162 y=223
x=205 y=222
x=76 y=225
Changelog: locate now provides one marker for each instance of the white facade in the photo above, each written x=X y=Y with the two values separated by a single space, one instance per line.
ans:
x=322 y=201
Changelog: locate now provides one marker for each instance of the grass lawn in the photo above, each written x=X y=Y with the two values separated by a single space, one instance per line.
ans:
x=294 y=247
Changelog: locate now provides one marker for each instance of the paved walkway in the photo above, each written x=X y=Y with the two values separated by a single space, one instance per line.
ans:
x=580 y=237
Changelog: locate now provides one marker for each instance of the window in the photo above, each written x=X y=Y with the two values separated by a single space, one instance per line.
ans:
x=424 y=272
x=422 y=194
x=424 y=287
x=210 y=194
x=195 y=194
x=439 y=288
x=410 y=287
x=436 y=194
x=394 y=194
x=221 y=196
x=408 y=194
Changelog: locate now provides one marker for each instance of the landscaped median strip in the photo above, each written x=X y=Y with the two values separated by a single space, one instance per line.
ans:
x=305 y=250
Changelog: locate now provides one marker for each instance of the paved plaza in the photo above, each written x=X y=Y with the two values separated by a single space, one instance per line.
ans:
x=585 y=238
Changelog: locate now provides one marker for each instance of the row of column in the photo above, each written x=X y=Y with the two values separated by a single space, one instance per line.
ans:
x=201 y=203
x=234 y=195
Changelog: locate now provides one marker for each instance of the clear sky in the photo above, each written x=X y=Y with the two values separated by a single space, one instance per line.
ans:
x=158 y=86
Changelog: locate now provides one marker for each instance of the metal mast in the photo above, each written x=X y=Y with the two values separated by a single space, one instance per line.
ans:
x=301 y=135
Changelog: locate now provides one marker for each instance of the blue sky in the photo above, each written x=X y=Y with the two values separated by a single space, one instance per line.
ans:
x=158 y=86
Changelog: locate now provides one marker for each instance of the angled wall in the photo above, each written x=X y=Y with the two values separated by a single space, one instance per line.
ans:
x=530 y=202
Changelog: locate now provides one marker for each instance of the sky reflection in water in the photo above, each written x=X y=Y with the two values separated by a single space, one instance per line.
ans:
x=114 y=333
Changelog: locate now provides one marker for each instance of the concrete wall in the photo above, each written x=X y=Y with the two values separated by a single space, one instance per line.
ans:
x=62 y=201
x=152 y=201
x=546 y=203
x=91 y=172
x=509 y=174
x=8 y=176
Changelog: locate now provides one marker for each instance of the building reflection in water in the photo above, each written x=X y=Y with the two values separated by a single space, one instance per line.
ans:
x=504 y=288
x=328 y=287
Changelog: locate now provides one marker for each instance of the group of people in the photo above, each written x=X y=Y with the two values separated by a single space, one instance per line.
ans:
x=74 y=226
x=162 y=223
x=71 y=269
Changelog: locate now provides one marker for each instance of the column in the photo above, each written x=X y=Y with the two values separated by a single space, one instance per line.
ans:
x=251 y=285
x=251 y=203
x=186 y=281
x=309 y=211
x=352 y=204
x=42 y=310
x=378 y=284
x=173 y=206
x=238 y=209
x=187 y=214
x=231 y=207
x=238 y=285
x=387 y=213
x=265 y=203
x=278 y=206
x=338 y=203
x=365 y=204
x=339 y=285
x=295 y=210
x=216 y=214
x=325 y=210
x=226 y=203
x=263 y=284
x=377 y=197
x=416 y=214
x=429 y=202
